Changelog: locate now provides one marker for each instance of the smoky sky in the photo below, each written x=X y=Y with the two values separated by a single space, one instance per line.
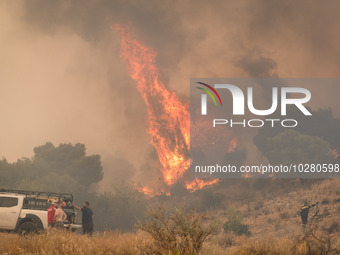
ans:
x=62 y=80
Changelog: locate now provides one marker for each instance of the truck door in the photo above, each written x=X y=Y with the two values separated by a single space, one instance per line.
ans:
x=9 y=211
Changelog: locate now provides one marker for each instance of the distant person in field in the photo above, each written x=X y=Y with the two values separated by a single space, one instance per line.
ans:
x=50 y=214
x=87 y=219
x=304 y=212
x=59 y=217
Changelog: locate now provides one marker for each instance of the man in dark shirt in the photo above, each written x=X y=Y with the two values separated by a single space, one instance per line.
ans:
x=87 y=219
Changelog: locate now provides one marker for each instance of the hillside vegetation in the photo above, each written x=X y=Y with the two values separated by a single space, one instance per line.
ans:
x=272 y=221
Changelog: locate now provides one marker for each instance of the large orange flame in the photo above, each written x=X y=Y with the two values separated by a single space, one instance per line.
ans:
x=168 y=118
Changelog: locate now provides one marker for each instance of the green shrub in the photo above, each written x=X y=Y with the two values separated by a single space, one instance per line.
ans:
x=177 y=233
x=209 y=199
x=234 y=223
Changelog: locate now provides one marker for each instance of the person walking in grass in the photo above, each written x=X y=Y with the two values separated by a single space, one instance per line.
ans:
x=87 y=219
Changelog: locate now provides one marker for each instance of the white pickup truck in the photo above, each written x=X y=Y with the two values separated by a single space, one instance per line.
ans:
x=26 y=211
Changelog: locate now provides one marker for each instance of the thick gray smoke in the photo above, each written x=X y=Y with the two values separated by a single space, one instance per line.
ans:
x=62 y=79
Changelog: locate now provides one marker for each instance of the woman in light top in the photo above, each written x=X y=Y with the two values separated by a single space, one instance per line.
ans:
x=59 y=217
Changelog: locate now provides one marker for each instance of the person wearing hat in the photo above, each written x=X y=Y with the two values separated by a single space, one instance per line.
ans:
x=50 y=213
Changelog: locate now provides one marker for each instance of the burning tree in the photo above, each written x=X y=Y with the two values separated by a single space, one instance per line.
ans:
x=168 y=118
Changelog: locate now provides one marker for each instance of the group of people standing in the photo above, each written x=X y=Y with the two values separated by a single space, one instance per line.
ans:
x=56 y=216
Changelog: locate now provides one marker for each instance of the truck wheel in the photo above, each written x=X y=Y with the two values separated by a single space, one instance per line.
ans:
x=28 y=227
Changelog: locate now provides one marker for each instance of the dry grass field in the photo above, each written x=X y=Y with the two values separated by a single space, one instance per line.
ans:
x=140 y=243
x=274 y=224
x=61 y=242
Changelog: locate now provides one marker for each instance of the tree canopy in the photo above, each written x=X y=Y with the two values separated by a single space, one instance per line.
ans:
x=312 y=139
x=65 y=168
x=291 y=146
